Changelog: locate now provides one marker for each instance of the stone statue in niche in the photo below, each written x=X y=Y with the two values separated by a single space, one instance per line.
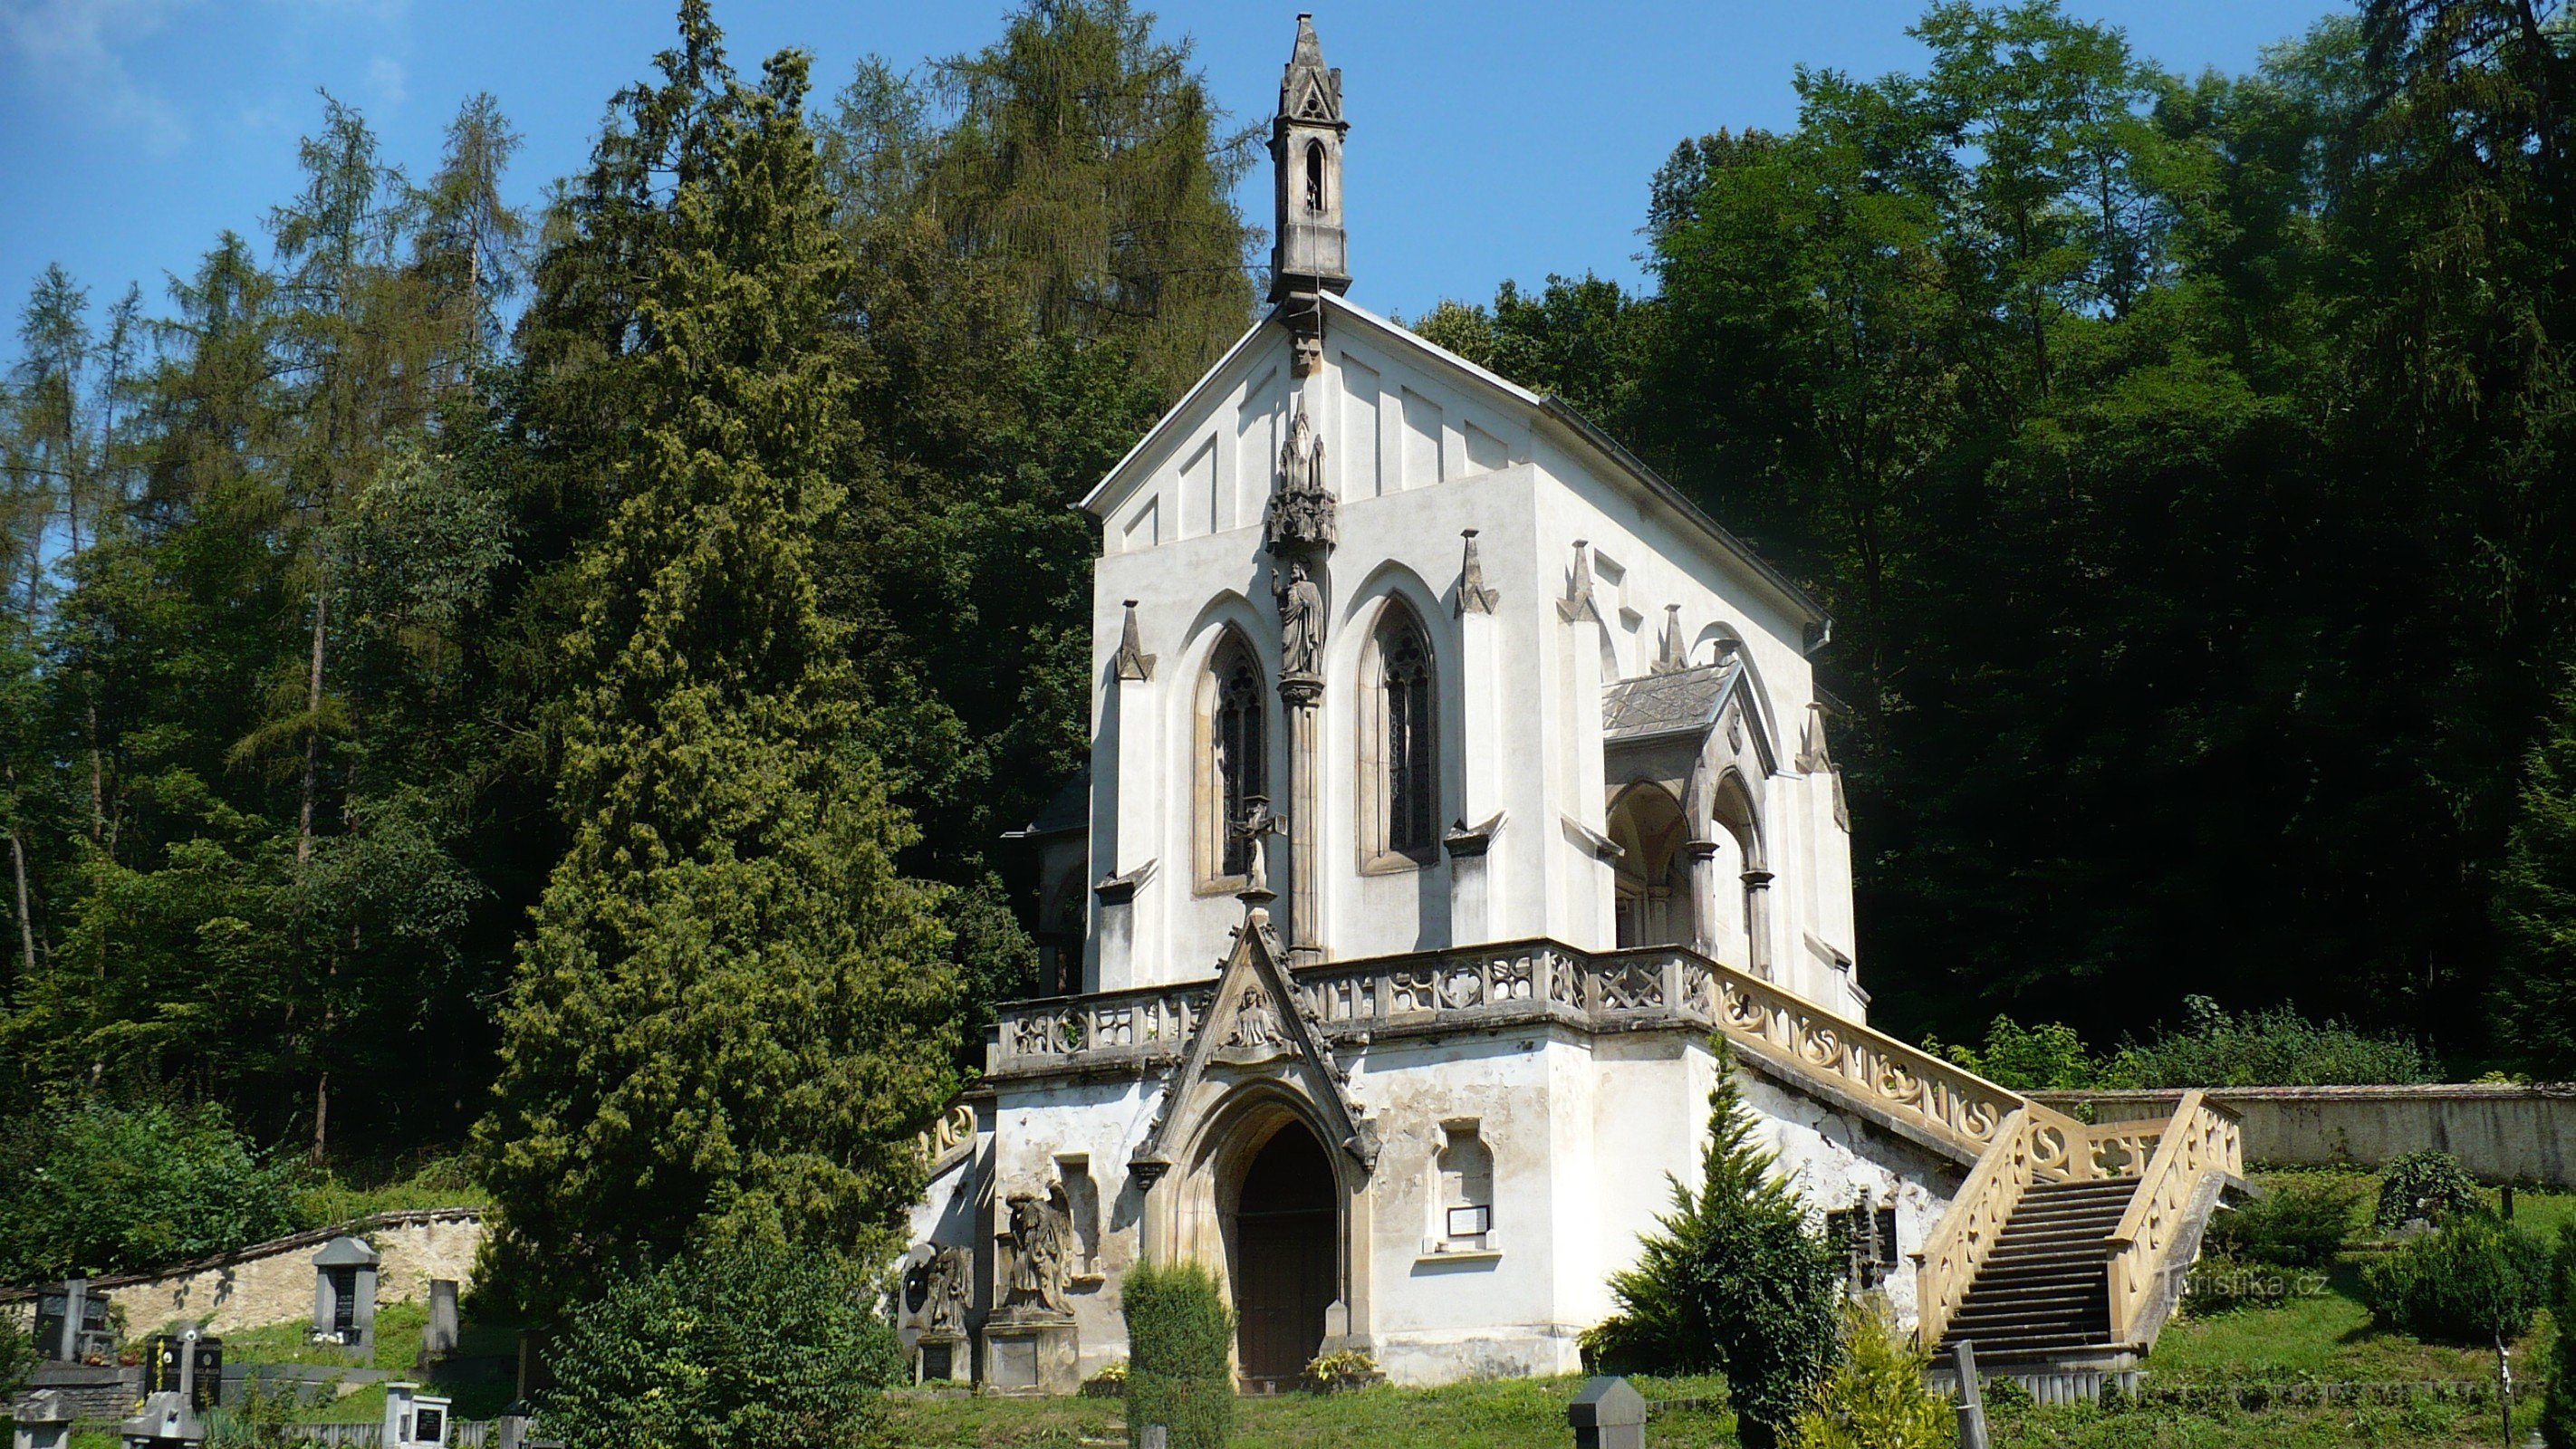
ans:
x=1301 y=622
x=1038 y=1247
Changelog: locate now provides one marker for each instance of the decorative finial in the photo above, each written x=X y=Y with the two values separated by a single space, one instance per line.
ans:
x=1672 y=657
x=1133 y=663
x=1578 y=597
x=1473 y=596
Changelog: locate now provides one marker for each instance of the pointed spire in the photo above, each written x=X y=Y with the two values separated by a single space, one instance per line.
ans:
x=1308 y=91
x=1132 y=663
x=1671 y=657
x=1473 y=596
x=1578 y=602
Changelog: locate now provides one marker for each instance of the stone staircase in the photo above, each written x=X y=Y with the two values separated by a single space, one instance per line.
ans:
x=2043 y=1293
x=2067 y=1248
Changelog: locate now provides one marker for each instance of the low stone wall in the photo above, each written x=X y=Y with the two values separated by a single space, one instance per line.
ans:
x=2499 y=1133
x=272 y=1282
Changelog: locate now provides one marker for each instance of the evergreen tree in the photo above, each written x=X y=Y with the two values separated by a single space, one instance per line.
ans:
x=1736 y=1282
x=2535 y=1007
x=733 y=1012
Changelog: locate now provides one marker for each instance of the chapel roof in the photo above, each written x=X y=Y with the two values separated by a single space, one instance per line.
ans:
x=1684 y=701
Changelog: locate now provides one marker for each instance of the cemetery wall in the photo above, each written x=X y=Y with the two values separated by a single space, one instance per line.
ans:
x=272 y=1282
x=2499 y=1132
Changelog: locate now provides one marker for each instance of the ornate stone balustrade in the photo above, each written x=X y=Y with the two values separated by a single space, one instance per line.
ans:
x=1521 y=982
x=948 y=1139
x=2202 y=1141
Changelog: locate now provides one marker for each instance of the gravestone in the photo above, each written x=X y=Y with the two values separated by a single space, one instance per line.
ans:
x=344 y=1294
x=439 y=1340
x=1608 y=1413
x=43 y=1420
x=169 y=1417
x=414 y=1420
x=72 y=1324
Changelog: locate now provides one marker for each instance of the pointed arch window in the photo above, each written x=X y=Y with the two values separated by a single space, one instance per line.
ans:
x=1315 y=178
x=1234 y=755
x=1401 y=741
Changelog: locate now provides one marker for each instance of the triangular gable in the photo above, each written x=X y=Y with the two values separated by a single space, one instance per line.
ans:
x=1539 y=412
x=1257 y=1020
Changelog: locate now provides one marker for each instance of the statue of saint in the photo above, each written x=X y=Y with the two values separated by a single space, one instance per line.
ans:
x=1301 y=623
x=1256 y=827
x=1037 y=1255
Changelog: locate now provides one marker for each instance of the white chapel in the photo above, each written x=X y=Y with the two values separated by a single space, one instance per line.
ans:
x=1456 y=783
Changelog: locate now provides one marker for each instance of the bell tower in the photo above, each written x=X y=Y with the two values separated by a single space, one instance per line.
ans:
x=1311 y=254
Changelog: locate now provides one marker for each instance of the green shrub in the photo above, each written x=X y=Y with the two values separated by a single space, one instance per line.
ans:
x=1735 y=1283
x=2048 y=1057
x=1875 y=1398
x=2276 y=1048
x=1333 y=1373
x=2474 y=1280
x=753 y=1344
x=2300 y=1223
x=1180 y=1342
x=2424 y=1185
x=95 y=1189
x=2558 y=1411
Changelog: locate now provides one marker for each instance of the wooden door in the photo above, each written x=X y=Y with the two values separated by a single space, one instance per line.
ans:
x=1287 y=1271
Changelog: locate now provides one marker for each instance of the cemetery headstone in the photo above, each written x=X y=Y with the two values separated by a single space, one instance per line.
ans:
x=440 y=1338
x=414 y=1420
x=43 y=1420
x=169 y=1417
x=162 y=1367
x=344 y=1294
x=1608 y=1413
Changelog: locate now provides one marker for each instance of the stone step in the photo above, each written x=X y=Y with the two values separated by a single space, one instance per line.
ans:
x=2044 y=1314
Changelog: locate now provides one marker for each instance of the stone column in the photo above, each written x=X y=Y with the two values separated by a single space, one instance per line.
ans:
x=1299 y=530
x=1479 y=755
x=1757 y=921
x=1304 y=696
x=1702 y=855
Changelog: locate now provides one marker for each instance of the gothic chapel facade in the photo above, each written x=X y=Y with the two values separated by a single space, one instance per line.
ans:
x=1455 y=780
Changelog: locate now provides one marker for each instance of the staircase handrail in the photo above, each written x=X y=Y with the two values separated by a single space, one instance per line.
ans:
x=1940 y=1097
x=2201 y=1138
x=1966 y=1235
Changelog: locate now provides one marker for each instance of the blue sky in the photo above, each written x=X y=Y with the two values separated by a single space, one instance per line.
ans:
x=1489 y=140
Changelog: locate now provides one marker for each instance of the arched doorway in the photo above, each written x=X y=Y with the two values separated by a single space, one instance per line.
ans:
x=1287 y=1256
x=1653 y=905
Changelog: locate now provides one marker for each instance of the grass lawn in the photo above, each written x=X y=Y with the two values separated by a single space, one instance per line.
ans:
x=2326 y=1335
x=1500 y=1414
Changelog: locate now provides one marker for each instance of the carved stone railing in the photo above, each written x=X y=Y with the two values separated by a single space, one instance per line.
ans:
x=943 y=1142
x=1966 y=1234
x=2202 y=1139
x=1108 y=1029
x=1519 y=982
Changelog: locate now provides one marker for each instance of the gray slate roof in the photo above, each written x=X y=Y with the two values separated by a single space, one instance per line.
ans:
x=1662 y=704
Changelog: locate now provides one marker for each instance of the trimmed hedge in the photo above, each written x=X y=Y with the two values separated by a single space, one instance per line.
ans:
x=1180 y=1355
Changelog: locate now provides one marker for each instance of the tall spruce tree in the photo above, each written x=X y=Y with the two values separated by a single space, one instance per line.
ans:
x=2536 y=907
x=734 y=1011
